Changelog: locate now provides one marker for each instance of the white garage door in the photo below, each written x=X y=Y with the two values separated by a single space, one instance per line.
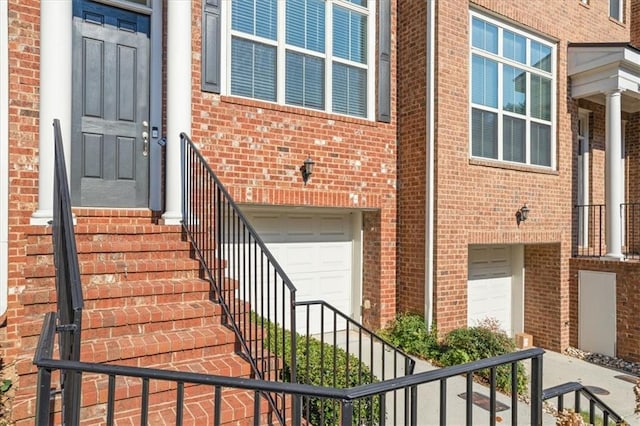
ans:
x=490 y=285
x=315 y=250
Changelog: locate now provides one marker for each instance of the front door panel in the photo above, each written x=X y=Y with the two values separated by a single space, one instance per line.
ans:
x=109 y=149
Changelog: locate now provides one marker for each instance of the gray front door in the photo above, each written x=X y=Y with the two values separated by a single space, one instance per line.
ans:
x=110 y=140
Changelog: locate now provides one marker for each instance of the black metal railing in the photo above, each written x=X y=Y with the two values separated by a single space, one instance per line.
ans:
x=415 y=386
x=591 y=235
x=631 y=223
x=580 y=394
x=590 y=221
x=68 y=318
x=258 y=298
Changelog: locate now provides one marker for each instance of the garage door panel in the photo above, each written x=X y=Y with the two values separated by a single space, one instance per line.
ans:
x=298 y=228
x=316 y=253
x=271 y=226
x=334 y=256
x=489 y=289
x=335 y=226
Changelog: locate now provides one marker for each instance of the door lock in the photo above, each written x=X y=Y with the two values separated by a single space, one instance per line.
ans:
x=145 y=143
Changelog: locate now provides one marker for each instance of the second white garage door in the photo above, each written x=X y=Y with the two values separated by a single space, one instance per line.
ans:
x=316 y=252
x=489 y=292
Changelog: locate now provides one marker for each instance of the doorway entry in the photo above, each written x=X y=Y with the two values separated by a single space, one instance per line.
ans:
x=110 y=126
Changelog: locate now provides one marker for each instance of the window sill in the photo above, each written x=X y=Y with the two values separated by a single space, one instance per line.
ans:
x=512 y=166
x=617 y=22
x=297 y=110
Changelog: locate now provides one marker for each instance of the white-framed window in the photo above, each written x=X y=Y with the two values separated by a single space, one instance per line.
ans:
x=616 y=10
x=513 y=93
x=316 y=54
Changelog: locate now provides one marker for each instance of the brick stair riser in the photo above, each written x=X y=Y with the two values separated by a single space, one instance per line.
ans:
x=135 y=316
x=126 y=294
x=129 y=390
x=198 y=408
x=114 y=244
x=46 y=260
x=129 y=269
x=28 y=374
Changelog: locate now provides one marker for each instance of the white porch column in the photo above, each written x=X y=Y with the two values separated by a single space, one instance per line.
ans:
x=613 y=175
x=55 y=96
x=178 y=101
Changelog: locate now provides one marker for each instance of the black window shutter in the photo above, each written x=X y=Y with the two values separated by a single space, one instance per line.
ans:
x=384 y=61
x=211 y=46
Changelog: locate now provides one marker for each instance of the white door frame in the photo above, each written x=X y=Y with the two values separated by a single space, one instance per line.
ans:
x=516 y=256
x=583 y=176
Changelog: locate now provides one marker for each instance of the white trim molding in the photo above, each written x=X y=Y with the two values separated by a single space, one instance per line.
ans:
x=178 y=102
x=56 y=18
x=4 y=157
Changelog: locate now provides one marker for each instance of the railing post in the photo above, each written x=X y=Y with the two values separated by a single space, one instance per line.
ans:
x=536 y=390
x=43 y=396
x=346 y=415
x=183 y=163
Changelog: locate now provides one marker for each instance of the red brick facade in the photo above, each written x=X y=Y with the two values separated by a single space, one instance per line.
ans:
x=24 y=72
x=256 y=148
x=627 y=303
x=476 y=200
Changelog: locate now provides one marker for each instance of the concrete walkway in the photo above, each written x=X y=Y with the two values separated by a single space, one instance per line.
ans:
x=609 y=385
x=613 y=387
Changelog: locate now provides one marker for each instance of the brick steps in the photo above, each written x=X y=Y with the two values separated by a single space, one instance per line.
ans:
x=155 y=243
x=198 y=408
x=133 y=270
x=145 y=305
x=128 y=293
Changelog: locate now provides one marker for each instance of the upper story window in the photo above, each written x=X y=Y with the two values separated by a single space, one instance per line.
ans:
x=316 y=54
x=512 y=94
x=616 y=9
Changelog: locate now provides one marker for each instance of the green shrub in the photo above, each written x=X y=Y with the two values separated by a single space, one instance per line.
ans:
x=475 y=343
x=323 y=365
x=409 y=333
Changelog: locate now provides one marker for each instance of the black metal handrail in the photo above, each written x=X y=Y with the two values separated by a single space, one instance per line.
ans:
x=580 y=392
x=590 y=232
x=68 y=289
x=345 y=398
x=631 y=243
x=250 y=284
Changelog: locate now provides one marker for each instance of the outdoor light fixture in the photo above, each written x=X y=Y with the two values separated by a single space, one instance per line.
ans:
x=307 y=169
x=522 y=214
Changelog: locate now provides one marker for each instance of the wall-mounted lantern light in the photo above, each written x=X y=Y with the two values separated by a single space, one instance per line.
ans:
x=522 y=214
x=307 y=169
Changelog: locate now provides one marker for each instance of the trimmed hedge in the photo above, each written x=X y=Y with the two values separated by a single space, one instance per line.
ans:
x=323 y=365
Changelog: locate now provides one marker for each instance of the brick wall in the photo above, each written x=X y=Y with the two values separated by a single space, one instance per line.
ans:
x=542 y=296
x=257 y=148
x=24 y=74
x=412 y=130
x=627 y=303
x=476 y=200
x=635 y=22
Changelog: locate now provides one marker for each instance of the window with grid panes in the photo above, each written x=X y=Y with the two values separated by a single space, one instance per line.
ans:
x=512 y=94
x=309 y=53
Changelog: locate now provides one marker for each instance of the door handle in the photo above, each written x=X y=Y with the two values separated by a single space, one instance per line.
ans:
x=145 y=143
